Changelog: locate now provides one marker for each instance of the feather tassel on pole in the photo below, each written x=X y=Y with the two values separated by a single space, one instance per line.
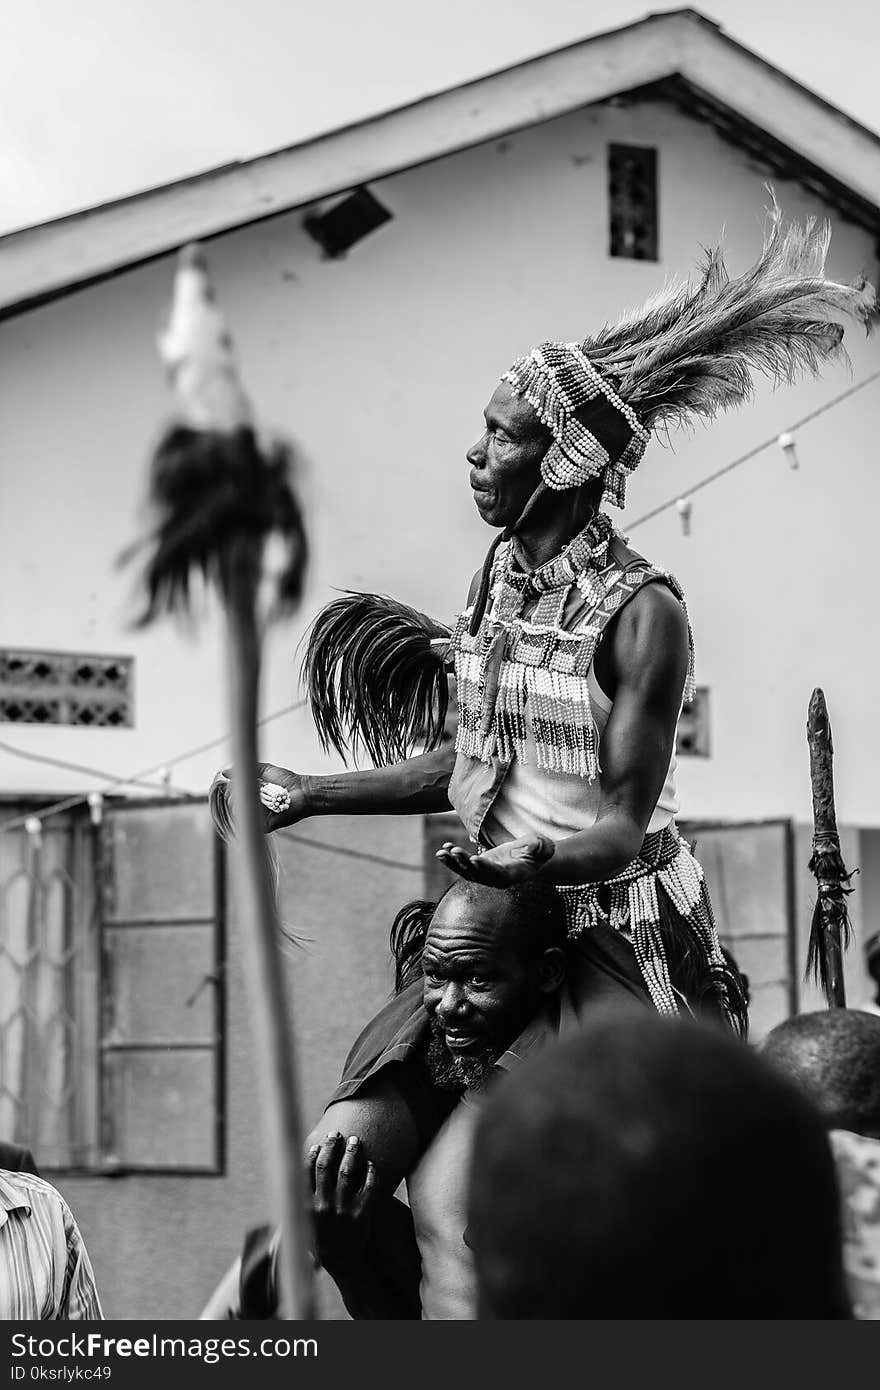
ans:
x=830 y=931
x=216 y=498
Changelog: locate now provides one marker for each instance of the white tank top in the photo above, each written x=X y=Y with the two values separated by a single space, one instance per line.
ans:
x=558 y=804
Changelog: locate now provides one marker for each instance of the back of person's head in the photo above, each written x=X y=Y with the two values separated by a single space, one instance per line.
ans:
x=653 y=1168
x=534 y=911
x=834 y=1054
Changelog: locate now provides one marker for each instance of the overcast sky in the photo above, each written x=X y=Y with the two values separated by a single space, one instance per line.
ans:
x=100 y=98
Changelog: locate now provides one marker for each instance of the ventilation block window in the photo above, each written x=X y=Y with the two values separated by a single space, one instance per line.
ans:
x=66 y=688
x=632 y=201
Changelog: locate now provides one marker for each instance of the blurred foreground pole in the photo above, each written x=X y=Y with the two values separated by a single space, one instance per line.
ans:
x=217 y=496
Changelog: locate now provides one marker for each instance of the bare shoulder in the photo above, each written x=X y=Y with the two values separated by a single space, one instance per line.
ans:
x=653 y=607
x=649 y=640
x=655 y=614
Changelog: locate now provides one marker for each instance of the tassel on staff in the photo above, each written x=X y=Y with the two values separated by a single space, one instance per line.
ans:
x=830 y=932
x=216 y=498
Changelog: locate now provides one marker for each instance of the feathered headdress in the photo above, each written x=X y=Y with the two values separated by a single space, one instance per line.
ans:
x=689 y=352
x=375 y=670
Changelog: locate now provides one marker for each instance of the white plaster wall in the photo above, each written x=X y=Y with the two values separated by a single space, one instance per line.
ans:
x=379 y=366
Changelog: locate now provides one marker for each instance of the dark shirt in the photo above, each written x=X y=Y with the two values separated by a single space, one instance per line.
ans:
x=17 y=1159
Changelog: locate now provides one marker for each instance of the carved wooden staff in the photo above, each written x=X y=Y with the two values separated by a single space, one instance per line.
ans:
x=216 y=496
x=830 y=931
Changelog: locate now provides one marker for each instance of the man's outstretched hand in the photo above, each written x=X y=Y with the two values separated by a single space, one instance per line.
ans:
x=342 y=1180
x=514 y=862
x=222 y=797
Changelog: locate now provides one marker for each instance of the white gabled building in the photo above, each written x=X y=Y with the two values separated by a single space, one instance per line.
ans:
x=534 y=203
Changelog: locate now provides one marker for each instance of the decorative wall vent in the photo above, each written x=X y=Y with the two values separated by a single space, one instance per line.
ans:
x=66 y=688
x=632 y=202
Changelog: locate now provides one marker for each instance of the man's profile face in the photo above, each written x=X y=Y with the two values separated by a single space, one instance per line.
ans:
x=481 y=986
x=506 y=460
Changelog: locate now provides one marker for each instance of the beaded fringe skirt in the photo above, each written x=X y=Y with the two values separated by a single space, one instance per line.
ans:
x=629 y=903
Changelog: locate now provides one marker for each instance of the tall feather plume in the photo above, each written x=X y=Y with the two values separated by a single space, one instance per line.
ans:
x=693 y=348
x=375 y=674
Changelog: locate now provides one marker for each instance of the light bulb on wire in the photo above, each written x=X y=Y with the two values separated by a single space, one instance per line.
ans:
x=34 y=827
x=786 y=442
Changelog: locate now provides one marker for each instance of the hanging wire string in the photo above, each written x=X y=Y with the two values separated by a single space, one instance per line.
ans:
x=366 y=855
x=752 y=453
x=15 y=822
x=87 y=771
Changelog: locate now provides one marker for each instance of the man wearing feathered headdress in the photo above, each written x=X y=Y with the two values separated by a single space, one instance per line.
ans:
x=573 y=655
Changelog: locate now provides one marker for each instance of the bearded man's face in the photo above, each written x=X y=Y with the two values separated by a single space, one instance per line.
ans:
x=482 y=985
x=457 y=1071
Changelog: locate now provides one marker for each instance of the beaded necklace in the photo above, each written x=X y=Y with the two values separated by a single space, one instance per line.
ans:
x=543 y=660
x=587 y=551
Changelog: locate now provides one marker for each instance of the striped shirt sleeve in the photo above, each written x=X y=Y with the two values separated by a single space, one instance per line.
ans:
x=79 y=1298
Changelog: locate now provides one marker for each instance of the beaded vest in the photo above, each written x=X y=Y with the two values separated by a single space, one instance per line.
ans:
x=543 y=659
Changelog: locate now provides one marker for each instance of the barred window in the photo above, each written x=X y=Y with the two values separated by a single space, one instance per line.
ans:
x=39 y=687
x=112 y=989
x=49 y=984
x=632 y=202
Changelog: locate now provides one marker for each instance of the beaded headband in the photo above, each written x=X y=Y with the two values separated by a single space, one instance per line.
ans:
x=557 y=380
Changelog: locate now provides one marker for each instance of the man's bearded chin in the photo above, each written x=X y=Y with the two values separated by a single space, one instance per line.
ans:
x=450 y=1072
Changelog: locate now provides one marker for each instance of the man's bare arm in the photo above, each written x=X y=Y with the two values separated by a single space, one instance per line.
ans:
x=415 y=787
x=365 y=1238
x=418 y=786
x=648 y=656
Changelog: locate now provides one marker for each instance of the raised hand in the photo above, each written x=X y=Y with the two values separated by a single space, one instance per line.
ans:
x=222 y=798
x=510 y=863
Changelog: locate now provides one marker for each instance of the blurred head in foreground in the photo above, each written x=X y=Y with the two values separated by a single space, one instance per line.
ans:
x=834 y=1055
x=649 y=1168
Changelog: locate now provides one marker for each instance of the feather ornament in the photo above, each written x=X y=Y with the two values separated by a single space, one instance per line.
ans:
x=208 y=490
x=375 y=672
x=693 y=349
x=213 y=488
x=198 y=354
